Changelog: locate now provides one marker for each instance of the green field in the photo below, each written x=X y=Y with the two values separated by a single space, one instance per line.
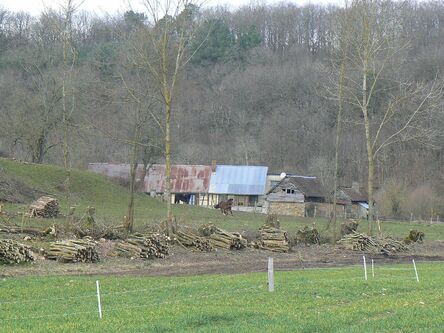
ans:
x=110 y=201
x=318 y=300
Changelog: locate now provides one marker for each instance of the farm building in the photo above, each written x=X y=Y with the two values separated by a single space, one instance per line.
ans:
x=354 y=199
x=189 y=183
x=244 y=184
x=298 y=196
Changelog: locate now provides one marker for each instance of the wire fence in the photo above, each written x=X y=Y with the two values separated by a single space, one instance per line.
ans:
x=207 y=287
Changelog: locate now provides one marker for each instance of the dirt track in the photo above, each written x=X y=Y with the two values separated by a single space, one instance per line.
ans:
x=185 y=262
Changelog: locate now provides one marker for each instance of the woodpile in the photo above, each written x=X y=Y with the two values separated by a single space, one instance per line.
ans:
x=143 y=246
x=46 y=207
x=190 y=239
x=98 y=231
x=12 y=252
x=376 y=245
x=414 y=236
x=273 y=239
x=222 y=238
x=75 y=250
x=308 y=235
x=348 y=227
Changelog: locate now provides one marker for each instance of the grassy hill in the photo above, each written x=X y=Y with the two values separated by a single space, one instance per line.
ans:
x=26 y=182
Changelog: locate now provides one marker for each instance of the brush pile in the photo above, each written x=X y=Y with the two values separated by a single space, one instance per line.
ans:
x=272 y=239
x=414 y=236
x=147 y=246
x=375 y=245
x=12 y=252
x=189 y=238
x=46 y=207
x=348 y=227
x=308 y=235
x=75 y=250
x=222 y=238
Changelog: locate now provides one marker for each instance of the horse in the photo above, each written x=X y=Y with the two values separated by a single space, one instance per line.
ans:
x=225 y=206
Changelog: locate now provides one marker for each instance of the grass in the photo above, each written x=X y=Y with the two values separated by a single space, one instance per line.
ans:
x=318 y=300
x=110 y=200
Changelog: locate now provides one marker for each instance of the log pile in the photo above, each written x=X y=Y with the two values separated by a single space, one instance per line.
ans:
x=308 y=235
x=348 y=227
x=75 y=250
x=46 y=207
x=375 y=245
x=414 y=236
x=222 y=238
x=143 y=246
x=190 y=239
x=12 y=252
x=273 y=239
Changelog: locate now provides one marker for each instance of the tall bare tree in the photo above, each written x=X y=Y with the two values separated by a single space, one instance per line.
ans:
x=392 y=108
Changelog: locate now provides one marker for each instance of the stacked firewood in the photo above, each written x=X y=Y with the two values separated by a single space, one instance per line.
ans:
x=222 y=238
x=143 y=246
x=12 y=252
x=190 y=239
x=75 y=250
x=376 y=245
x=273 y=239
x=308 y=235
x=46 y=207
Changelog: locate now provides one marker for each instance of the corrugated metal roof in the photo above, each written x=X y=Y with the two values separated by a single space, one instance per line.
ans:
x=239 y=180
x=184 y=178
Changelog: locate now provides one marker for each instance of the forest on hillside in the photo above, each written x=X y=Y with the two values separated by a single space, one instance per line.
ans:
x=259 y=87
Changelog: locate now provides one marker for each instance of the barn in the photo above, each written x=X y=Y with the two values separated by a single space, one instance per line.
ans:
x=244 y=184
x=298 y=196
x=354 y=199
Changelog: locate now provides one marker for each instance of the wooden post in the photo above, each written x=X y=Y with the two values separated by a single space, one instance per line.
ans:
x=365 y=268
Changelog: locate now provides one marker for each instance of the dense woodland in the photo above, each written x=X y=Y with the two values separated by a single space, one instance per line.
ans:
x=257 y=90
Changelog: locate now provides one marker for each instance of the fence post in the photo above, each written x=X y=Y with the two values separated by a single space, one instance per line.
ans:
x=365 y=268
x=270 y=275
x=98 y=299
x=416 y=271
x=373 y=269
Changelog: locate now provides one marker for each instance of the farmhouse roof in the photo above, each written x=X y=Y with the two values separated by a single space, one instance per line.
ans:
x=309 y=186
x=355 y=195
x=239 y=180
x=184 y=178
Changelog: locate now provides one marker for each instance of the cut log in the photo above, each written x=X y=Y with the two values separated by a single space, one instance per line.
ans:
x=376 y=245
x=272 y=239
x=75 y=250
x=223 y=239
x=46 y=207
x=12 y=252
x=147 y=246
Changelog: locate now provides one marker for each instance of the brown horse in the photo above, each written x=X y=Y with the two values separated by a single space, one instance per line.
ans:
x=225 y=206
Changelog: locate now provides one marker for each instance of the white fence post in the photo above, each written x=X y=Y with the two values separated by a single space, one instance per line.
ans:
x=373 y=269
x=416 y=271
x=365 y=268
x=98 y=299
x=270 y=275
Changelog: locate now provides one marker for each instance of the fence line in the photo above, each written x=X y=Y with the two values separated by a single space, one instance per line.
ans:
x=113 y=309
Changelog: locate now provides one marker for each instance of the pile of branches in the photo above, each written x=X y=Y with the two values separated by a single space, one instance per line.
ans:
x=75 y=250
x=147 y=246
x=349 y=227
x=190 y=239
x=99 y=230
x=414 y=236
x=12 y=252
x=273 y=239
x=375 y=245
x=222 y=238
x=15 y=229
x=46 y=207
x=308 y=235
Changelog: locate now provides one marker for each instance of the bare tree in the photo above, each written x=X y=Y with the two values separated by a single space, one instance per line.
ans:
x=392 y=109
x=161 y=47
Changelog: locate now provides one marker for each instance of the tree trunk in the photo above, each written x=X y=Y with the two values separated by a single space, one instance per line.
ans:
x=133 y=170
x=168 y=161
